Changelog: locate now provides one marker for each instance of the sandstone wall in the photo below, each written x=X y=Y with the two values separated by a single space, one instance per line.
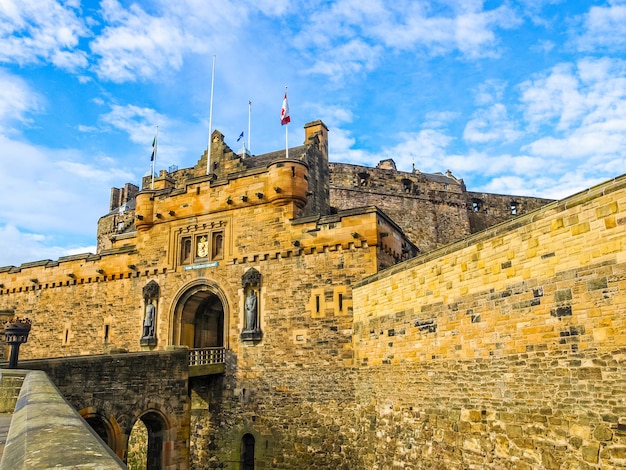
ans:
x=432 y=209
x=506 y=350
x=114 y=391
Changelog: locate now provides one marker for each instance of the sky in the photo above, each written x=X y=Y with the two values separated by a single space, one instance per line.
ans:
x=523 y=97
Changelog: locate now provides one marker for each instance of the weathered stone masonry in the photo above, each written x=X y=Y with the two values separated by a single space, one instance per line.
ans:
x=507 y=350
x=498 y=349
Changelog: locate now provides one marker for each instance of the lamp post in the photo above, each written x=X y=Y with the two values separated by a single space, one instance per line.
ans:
x=16 y=332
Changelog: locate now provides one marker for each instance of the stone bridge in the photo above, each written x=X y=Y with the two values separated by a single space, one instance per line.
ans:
x=114 y=392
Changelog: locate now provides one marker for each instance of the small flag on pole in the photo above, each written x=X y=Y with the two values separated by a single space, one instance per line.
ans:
x=240 y=136
x=154 y=143
x=284 y=112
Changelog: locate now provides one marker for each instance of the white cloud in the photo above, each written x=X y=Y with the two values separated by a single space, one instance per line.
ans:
x=555 y=96
x=138 y=122
x=353 y=35
x=33 y=247
x=491 y=125
x=586 y=102
x=604 y=27
x=136 y=45
x=17 y=100
x=41 y=30
x=54 y=191
x=437 y=119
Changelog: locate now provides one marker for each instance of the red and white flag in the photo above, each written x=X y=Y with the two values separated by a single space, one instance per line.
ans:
x=284 y=112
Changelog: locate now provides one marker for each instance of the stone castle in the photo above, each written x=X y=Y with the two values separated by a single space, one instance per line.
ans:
x=340 y=316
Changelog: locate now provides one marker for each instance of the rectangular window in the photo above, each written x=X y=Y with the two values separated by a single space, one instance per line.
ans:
x=217 y=245
x=185 y=250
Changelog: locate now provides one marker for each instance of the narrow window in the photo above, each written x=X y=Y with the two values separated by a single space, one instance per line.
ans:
x=217 y=247
x=67 y=336
x=317 y=304
x=185 y=252
x=513 y=208
x=106 y=333
x=476 y=204
x=341 y=302
x=407 y=186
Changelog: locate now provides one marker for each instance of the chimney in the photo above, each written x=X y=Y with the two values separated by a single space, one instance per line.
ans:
x=316 y=128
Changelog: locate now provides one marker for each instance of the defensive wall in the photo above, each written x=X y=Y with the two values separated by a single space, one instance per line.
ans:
x=504 y=350
x=432 y=209
x=45 y=432
x=113 y=392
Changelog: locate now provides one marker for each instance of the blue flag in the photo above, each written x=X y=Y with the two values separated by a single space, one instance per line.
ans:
x=240 y=136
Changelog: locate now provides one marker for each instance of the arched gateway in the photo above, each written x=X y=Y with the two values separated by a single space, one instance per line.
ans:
x=200 y=316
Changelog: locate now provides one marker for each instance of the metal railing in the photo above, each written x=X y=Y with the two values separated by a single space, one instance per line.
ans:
x=206 y=356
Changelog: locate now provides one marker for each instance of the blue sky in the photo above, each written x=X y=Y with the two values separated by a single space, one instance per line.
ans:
x=522 y=97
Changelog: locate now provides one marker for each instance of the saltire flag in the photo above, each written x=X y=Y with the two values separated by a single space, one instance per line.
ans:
x=284 y=112
x=240 y=136
x=154 y=143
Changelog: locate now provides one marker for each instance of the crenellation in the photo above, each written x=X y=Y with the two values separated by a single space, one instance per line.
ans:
x=397 y=320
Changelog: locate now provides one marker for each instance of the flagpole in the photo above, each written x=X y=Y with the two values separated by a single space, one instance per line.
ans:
x=208 y=157
x=249 y=113
x=154 y=154
x=286 y=135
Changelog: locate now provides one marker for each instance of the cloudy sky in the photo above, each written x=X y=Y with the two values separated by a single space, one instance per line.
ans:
x=523 y=97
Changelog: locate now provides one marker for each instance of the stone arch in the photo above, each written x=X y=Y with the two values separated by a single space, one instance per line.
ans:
x=159 y=440
x=247 y=452
x=106 y=427
x=199 y=315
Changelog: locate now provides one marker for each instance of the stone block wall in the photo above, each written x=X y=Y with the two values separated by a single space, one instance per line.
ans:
x=432 y=209
x=506 y=350
x=117 y=390
x=537 y=409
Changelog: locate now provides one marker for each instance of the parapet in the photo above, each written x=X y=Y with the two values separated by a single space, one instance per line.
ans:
x=46 y=432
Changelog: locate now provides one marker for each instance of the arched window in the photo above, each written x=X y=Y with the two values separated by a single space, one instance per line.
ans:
x=247 y=452
x=218 y=245
x=185 y=252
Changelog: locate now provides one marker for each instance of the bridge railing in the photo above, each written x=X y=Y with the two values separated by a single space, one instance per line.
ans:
x=206 y=356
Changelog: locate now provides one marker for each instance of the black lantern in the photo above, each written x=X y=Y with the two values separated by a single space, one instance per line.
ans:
x=16 y=332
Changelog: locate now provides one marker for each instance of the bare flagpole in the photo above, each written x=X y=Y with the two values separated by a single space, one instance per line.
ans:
x=208 y=157
x=249 y=114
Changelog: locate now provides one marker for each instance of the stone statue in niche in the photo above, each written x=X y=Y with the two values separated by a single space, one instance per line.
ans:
x=251 y=283
x=150 y=296
x=251 y=307
x=148 y=321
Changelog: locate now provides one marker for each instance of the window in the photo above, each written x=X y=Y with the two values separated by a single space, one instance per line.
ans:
x=407 y=186
x=476 y=205
x=185 y=251
x=217 y=248
x=513 y=208
x=202 y=247
x=363 y=179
